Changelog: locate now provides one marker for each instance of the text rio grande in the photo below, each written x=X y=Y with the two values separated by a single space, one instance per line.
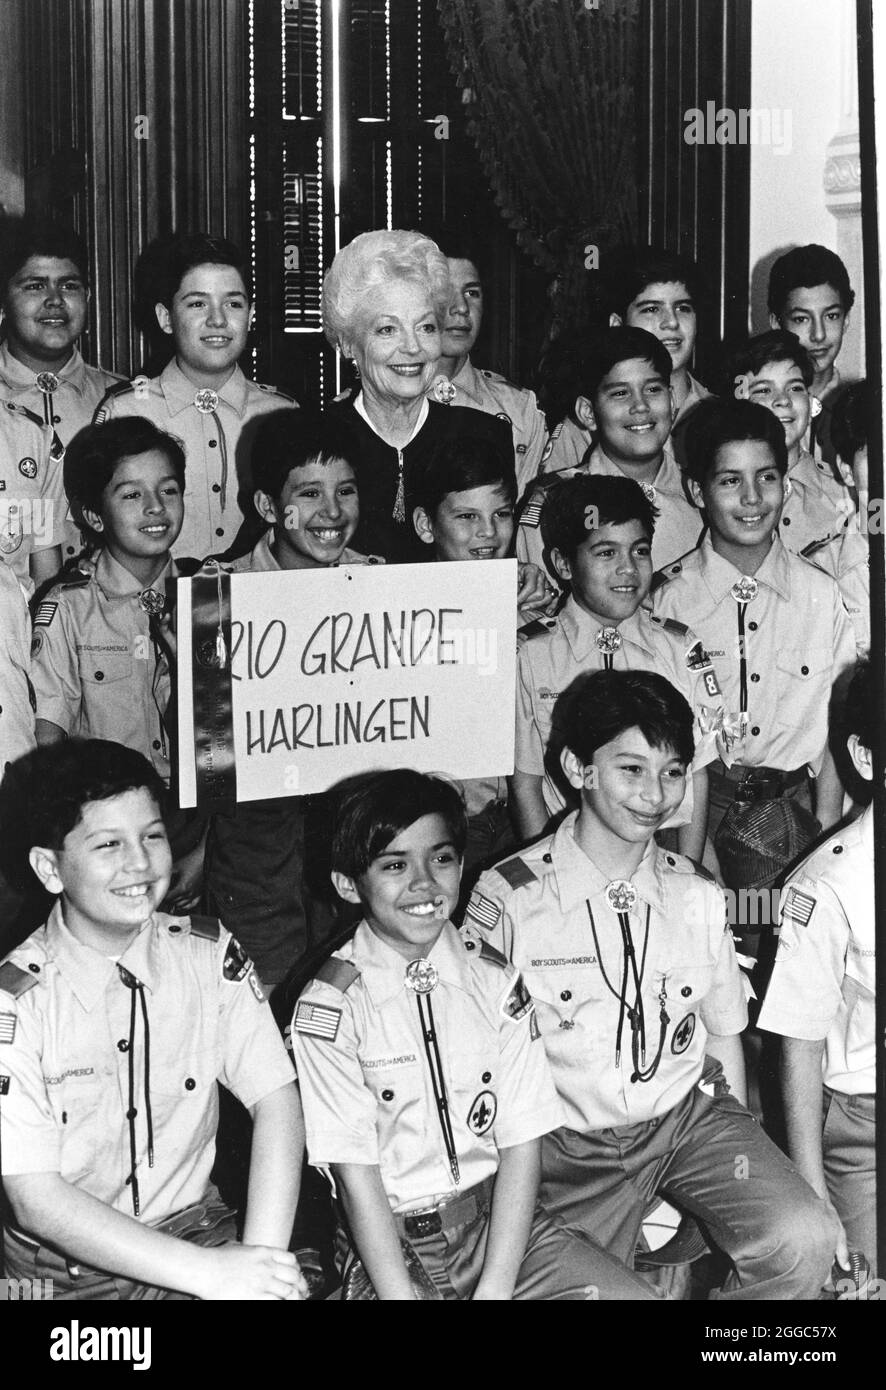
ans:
x=342 y=643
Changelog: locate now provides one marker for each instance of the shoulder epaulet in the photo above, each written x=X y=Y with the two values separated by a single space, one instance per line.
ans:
x=207 y=927
x=498 y=378
x=539 y=627
x=515 y=872
x=684 y=865
x=31 y=415
x=14 y=981
x=814 y=546
x=669 y=625
x=76 y=579
x=118 y=389
x=275 y=391
x=338 y=973
x=489 y=953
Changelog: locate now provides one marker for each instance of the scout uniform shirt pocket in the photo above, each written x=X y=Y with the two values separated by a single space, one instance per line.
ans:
x=101 y=666
x=76 y=1094
x=474 y=1092
x=184 y=1086
x=397 y=1084
x=568 y=992
x=803 y=682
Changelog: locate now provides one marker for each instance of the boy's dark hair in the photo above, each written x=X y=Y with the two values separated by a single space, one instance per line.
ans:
x=775 y=345
x=858 y=707
x=631 y=269
x=287 y=439
x=164 y=264
x=460 y=464
x=21 y=238
x=804 y=267
x=600 y=705
x=64 y=777
x=716 y=422
x=566 y=517
x=616 y=345
x=850 y=415
x=460 y=241
x=93 y=454
x=372 y=808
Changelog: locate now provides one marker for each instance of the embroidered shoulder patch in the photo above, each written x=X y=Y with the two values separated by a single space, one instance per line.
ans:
x=46 y=611
x=317 y=1021
x=519 y=1001
x=483 y=911
x=799 y=907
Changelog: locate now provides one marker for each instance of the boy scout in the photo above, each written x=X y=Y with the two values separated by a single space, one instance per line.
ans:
x=626 y=399
x=640 y=1003
x=459 y=382
x=32 y=497
x=99 y=656
x=775 y=626
x=424 y=1081
x=16 y=692
x=821 y=998
x=598 y=534
x=44 y=295
x=775 y=371
x=116 y=1021
x=203 y=304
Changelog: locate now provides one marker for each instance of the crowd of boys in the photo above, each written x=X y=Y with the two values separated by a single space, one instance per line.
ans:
x=541 y=1024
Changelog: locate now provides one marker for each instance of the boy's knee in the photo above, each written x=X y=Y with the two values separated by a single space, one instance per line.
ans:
x=804 y=1237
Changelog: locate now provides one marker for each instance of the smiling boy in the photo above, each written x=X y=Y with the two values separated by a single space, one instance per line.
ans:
x=203 y=304
x=640 y=1003
x=118 y=1020
x=422 y=1075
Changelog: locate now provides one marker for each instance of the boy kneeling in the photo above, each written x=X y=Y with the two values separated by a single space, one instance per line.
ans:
x=117 y=1022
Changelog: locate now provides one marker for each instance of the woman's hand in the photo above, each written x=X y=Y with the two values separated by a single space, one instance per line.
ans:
x=534 y=590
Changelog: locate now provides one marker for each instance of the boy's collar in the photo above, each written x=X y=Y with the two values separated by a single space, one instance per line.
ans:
x=383 y=969
x=89 y=972
x=667 y=478
x=180 y=392
x=117 y=582
x=580 y=629
x=72 y=373
x=720 y=574
x=579 y=879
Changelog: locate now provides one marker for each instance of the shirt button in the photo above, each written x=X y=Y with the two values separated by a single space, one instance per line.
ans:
x=470 y=945
x=190 y=1083
x=755 y=677
x=546 y=859
x=838 y=849
x=566 y=995
x=34 y=968
x=213 y=443
x=670 y=859
x=486 y=1078
x=216 y=487
x=156 y=743
x=219 y=530
x=387 y=1095
x=804 y=670
x=686 y=991
x=99 y=675
x=123 y=1045
x=786 y=521
x=753 y=626
x=756 y=729
x=131 y=1114
x=56 y=419
x=175 y=927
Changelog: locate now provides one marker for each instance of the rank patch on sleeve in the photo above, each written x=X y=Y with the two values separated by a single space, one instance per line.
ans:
x=237 y=963
x=483 y=911
x=7 y=1028
x=519 y=1001
x=46 y=611
x=799 y=907
x=317 y=1020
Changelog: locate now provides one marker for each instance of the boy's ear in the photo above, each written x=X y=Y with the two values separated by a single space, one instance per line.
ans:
x=561 y=565
x=44 y=862
x=616 y=321
x=92 y=519
x=164 y=318
x=584 y=412
x=695 y=493
x=423 y=525
x=345 y=886
x=774 y=321
x=577 y=775
x=861 y=757
x=673 y=404
x=266 y=507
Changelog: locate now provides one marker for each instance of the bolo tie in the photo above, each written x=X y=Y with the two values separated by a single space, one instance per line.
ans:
x=137 y=988
x=607 y=641
x=47 y=384
x=621 y=897
x=152 y=602
x=744 y=591
x=421 y=977
x=206 y=402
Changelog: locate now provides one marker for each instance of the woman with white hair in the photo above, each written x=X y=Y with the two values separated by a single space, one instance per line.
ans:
x=385 y=297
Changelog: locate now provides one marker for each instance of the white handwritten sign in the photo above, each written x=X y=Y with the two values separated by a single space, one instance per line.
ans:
x=338 y=671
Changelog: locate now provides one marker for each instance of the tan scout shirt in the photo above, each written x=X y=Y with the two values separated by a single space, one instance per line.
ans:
x=534 y=908
x=364 y=1076
x=495 y=395
x=96 y=670
x=67 y=409
x=563 y=648
x=823 y=981
x=846 y=558
x=217 y=446
x=32 y=495
x=69 y=1077
x=261 y=558
x=16 y=693
x=677 y=527
x=798 y=640
x=814 y=509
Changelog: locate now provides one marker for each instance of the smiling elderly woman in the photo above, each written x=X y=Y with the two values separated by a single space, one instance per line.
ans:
x=384 y=299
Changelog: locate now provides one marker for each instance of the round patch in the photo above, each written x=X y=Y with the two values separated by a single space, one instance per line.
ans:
x=683 y=1034
x=28 y=468
x=481 y=1116
x=37 y=643
x=10 y=541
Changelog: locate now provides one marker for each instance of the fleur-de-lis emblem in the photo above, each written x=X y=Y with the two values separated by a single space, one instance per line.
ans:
x=47 y=382
x=206 y=401
x=744 y=590
x=608 y=640
x=621 y=895
x=421 y=976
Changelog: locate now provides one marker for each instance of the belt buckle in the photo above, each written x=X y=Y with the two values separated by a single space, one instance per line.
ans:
x=423 y=1223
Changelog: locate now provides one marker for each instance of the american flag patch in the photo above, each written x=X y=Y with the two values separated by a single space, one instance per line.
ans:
x=317 y=1020
x=45 y=613
x=7 y=1028
x=799 y=907
x=483 y=910
x=532 y=514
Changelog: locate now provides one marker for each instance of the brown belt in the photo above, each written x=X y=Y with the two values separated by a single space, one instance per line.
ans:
x=455 y=1211
x=758 y=783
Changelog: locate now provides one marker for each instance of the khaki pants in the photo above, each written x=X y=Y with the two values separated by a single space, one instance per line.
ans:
x=850 y=1168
